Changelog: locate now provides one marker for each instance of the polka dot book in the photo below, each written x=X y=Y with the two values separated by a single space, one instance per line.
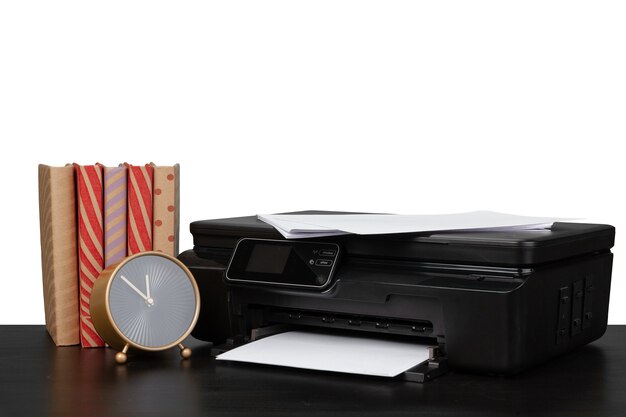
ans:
x=166 y=214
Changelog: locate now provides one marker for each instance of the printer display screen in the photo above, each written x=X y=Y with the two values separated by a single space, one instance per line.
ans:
x=268 y=259
x=283 y=262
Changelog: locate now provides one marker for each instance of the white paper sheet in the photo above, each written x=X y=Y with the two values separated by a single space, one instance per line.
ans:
x=296 y=226
x=331 y=352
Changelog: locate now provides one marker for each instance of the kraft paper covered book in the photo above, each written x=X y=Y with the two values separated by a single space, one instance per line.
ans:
x=166 y=202
x=59 y=265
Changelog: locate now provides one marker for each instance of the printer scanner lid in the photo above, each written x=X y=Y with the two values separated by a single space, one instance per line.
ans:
x=505 y=248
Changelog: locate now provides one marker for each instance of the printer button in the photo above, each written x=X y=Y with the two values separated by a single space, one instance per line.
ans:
x=327 y=252
x=324 y=262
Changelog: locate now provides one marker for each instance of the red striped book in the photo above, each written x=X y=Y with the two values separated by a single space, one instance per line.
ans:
x=139 y=208
x=90 y=244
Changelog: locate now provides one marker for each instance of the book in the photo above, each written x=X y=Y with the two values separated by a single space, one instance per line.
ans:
x=166 y=210
x=139 y=208
x=115 y=214
x=59 y=265
x=90 y=244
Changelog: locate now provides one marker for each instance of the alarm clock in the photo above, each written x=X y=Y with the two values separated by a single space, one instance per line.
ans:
x=149 y=301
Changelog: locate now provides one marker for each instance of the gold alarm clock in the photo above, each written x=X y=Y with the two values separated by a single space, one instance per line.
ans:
x=148 y=301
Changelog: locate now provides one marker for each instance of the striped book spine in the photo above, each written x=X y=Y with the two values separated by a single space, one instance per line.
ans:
x=139 y=209
x=115 y=221
x=90 y=244
x=165 y=204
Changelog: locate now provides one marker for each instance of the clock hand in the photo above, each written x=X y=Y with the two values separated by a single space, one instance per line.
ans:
x=130 y=284
x=147 y=287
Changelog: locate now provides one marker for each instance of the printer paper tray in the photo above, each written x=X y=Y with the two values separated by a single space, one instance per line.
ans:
x=273 y=351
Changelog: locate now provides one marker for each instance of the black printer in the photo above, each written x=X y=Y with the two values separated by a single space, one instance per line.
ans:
x=493 y=302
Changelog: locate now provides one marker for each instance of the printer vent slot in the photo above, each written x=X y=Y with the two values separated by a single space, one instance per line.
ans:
x=419 y=328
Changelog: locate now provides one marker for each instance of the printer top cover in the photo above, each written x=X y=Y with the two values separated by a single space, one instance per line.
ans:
x=506 y=248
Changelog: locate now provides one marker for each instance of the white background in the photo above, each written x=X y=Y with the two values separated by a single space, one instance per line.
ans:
x=387 y=106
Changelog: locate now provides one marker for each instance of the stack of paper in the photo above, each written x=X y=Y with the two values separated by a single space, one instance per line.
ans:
x=332 y=352
x=295 y=226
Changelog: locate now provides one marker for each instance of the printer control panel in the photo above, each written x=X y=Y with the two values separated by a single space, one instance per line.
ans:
x=283 y=262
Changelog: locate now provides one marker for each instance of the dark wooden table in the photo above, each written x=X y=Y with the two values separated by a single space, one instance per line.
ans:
x=39 y=379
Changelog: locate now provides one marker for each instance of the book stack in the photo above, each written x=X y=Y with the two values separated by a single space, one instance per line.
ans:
x=92 y=216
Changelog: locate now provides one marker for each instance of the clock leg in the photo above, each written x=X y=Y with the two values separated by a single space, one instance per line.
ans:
x=121 y=357
x=185 y=352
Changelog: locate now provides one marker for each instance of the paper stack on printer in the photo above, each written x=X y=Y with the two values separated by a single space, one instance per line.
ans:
x=297 y=226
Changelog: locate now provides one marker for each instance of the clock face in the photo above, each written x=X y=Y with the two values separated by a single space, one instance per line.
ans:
x=152 y=301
